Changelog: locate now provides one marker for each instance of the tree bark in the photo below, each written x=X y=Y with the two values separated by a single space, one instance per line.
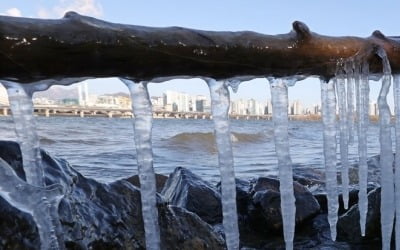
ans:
x=78 y=46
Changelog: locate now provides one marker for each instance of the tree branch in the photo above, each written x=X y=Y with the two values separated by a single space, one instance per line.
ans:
x=79 y=46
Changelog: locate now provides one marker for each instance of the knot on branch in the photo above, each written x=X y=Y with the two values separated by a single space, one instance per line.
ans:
x=301 y=30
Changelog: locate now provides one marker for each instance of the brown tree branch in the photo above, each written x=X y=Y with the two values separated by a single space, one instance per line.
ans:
x=80 y=46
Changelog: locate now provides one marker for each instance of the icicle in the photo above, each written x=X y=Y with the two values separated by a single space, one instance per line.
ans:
x=279 y=98
x=362 y=93
x=220 y=106
x=344 y=147
x=234 y=84
x=396 y=93
x=141 y=107
x=22 y=111
x=350 y=101
x=328 y=100
x=49 y=226
x=386 y=156
x=40 y=202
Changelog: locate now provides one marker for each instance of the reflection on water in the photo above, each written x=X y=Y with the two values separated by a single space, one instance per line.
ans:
x=103 y=148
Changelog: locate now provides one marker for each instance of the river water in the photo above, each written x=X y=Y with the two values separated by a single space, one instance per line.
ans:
x=103 y=148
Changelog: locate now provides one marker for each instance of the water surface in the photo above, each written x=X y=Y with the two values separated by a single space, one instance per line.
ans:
x=103 y=148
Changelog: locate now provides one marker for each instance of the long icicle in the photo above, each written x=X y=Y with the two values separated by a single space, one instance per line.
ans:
x=362 y=93
x=350 y=100
x=25 y=128
x=328 y=100
x=386 y=156
x=220 y=102
x=46 y=219
x=142 y=109
x=344 y=137
x=396 y=93
x=279 y=98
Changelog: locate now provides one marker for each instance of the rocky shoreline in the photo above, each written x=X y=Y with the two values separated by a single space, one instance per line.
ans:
x=108 y=216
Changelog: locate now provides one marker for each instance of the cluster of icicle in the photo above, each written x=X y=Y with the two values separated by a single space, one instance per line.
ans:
x=355 y=73
x=349 y=87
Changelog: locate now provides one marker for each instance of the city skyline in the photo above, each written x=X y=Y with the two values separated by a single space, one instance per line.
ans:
x=174 y=101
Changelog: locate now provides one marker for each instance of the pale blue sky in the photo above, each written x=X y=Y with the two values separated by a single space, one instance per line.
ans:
x=336 y=18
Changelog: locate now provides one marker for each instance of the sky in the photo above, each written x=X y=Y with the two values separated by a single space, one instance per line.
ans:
x=334 y=18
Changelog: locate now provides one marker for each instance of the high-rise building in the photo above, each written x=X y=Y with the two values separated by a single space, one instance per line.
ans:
x=297 y=108
x=201 y=103
x=83 y=93
x=268 y=108
x=176 y=101
x=157 y=102
x=239 y=107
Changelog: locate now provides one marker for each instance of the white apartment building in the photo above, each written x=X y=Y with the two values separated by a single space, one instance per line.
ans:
x=157 y=102
x=176 y=101
x=296 y=108
x=202 y=104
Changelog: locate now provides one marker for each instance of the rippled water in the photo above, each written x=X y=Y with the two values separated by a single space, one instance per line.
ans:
x=103 y=148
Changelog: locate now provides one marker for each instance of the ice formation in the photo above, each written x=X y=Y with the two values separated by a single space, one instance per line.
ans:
x=142 y=109
x=45 y=209
x=344 y=137
x=396 y=93
x=361 y=72
x=220 y=102
x=22 y=110
x=40 y=202
x=386 y=156
x=279 y=98
x=328 y=101
x=350 y=100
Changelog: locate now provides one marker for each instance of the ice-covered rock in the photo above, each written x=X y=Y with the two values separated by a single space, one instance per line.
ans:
x=98 y=216
x=186 y=189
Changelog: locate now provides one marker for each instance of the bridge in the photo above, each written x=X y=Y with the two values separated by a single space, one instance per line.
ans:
x=93 y=111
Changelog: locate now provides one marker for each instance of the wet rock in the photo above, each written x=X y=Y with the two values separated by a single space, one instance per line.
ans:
x=348 y=226
x=353 y=200
x=265 y=209
x=99 y=216
x=187 y=190
x=323 y=202
x=160 y=181
x=308 y=176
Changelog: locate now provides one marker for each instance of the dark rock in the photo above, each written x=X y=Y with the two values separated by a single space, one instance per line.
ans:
x=99 y=216
x=308 y=176
x=265 y=208
x=323 y=202
x=187 y=190
x=160 y=181
x=348 y=226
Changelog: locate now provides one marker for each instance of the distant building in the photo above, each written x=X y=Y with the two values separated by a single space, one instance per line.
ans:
x=107 y=101
x=268 y=108
x=157 y=102
x=43 y=101
x=83 y=93
x=296 y=108
x=123 y=102
x=69 y=101
x=176 y=101
x=202 y=104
